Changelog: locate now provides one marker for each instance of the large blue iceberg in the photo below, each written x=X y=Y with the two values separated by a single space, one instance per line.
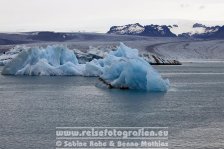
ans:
x=122 y=68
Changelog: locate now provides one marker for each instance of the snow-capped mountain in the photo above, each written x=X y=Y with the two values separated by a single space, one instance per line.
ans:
x=198 y=25
x=138 y=29
x=211 y=32
x=201 y=31
x=196 y=30
x=130 y=29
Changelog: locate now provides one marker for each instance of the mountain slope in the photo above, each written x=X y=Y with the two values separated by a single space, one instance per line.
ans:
x=216 y=32
x=138 y=29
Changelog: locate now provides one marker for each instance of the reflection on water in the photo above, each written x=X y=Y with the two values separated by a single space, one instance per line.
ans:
x=31 y=107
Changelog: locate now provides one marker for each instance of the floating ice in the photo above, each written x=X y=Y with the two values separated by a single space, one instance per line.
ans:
x=122 y=68
x=53 y=60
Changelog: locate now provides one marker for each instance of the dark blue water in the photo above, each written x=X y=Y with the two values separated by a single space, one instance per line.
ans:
x=32 y=107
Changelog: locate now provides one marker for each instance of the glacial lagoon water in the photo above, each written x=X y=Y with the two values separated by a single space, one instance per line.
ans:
x=32 y=107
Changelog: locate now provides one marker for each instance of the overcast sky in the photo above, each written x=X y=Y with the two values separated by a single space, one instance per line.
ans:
x=98 y=15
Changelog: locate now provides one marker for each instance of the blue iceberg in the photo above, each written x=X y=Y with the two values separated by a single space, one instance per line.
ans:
x=122 y=68
x=53 y=60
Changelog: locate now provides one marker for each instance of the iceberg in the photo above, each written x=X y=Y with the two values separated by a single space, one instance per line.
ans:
x=53 y=60
x=122 y=68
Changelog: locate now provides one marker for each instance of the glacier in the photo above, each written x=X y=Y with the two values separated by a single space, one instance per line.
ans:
x=122 y=68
